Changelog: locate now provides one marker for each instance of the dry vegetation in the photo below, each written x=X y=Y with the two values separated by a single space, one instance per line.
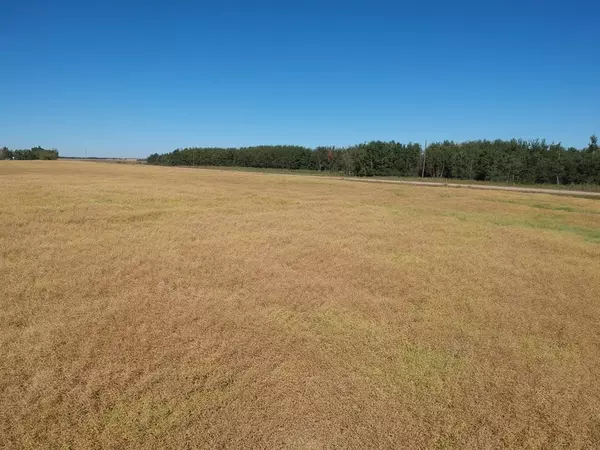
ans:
x=156 y=307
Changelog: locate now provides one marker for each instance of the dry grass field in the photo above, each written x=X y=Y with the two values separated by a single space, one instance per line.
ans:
x=153 y=307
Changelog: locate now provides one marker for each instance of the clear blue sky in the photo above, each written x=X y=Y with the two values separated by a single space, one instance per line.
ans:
x=124 y=78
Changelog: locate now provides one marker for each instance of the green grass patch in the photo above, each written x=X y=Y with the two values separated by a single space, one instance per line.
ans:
x=551 y=223
x=545 y=206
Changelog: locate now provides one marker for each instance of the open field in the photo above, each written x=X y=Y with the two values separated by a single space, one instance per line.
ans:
x=105 y=160
x=154 y=307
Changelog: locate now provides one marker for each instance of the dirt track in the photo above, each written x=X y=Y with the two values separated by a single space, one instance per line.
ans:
x=481 y=186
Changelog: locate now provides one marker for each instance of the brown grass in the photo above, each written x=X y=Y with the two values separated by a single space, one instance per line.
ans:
x=149 y=307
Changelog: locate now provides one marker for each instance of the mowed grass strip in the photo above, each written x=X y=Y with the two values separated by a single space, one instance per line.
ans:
x=150 y=307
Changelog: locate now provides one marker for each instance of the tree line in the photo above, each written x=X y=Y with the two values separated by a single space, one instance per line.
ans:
x=33 y=153
x=510 y=161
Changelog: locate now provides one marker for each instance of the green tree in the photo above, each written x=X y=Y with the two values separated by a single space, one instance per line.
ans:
x=514 y=161
x=593 y=145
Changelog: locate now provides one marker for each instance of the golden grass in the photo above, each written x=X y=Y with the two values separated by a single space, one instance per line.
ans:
x=150 y=307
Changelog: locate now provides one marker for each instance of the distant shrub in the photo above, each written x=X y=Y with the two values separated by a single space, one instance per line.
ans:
x=29 y=154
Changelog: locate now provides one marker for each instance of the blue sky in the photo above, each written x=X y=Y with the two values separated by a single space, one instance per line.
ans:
x=130 y=78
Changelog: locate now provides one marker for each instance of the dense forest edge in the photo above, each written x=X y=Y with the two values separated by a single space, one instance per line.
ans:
x=513 y=161
x=29 y=154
